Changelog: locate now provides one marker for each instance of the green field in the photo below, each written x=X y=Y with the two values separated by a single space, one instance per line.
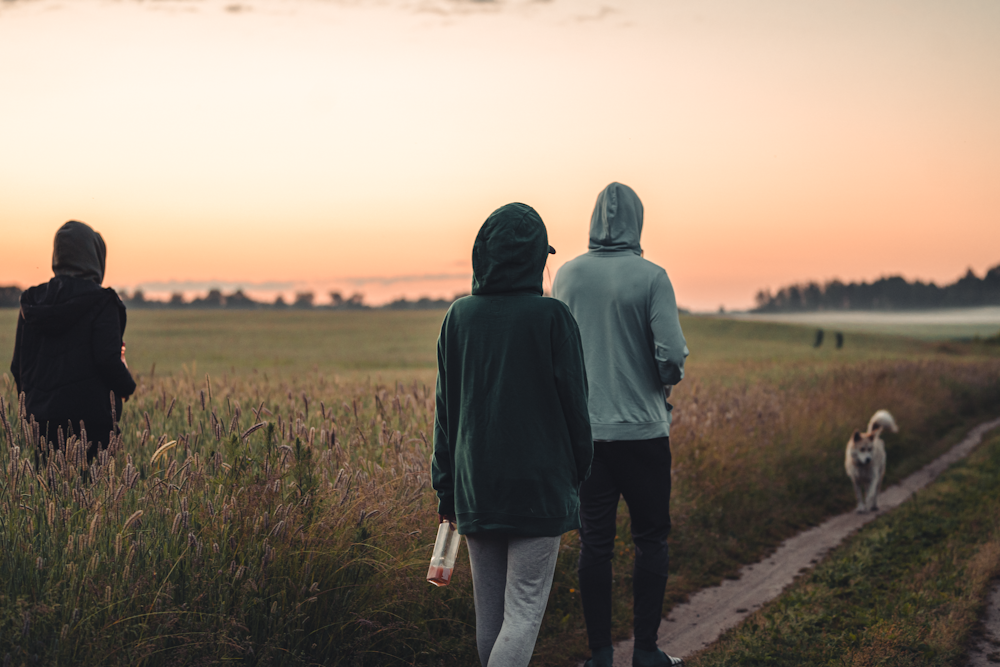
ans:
x=359 y=343
x=306 y=540
x=351 y=343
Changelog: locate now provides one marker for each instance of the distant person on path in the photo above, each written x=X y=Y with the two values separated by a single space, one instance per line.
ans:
x=68 y=350
x=634 y=351
x=511 y=431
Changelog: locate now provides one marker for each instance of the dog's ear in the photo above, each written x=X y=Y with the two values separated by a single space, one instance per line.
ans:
x=857 y=436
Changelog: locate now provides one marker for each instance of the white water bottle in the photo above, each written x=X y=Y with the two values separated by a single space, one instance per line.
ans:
x=445 y=552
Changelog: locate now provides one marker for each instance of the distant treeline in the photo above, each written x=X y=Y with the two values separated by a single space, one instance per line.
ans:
x=10 y=297
x=215 y=299
x=892 y=293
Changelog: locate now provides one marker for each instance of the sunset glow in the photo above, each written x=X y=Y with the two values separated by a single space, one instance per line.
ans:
x=282 y=145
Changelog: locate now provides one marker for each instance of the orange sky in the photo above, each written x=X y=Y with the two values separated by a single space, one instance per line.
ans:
x=306 y=144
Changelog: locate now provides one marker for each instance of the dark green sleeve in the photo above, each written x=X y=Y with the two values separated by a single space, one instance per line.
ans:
x=442 y=468
x=571 y=384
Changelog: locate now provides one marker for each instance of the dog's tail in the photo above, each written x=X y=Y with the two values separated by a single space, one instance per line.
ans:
x=880 y=420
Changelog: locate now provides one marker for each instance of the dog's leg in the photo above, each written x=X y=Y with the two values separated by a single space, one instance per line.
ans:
x=873 y=494
x=859 y=494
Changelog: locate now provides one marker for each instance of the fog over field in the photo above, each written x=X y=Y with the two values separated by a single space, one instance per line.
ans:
x=929 y=324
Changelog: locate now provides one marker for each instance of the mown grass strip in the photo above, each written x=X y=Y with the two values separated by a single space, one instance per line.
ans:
x=905 y=590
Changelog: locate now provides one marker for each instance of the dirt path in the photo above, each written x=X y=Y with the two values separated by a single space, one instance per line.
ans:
x=697 y=623
x=985 y=650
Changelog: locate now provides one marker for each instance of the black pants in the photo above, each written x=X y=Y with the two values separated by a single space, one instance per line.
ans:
x=99 y=433
x=639 y=471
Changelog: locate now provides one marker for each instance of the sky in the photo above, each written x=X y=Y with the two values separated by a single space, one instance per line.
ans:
x=358 y=145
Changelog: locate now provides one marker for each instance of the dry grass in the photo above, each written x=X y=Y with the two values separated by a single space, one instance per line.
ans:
x=276 y=528
x=290 y=521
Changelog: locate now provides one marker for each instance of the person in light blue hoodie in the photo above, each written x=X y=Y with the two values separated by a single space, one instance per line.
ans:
x=634 y=352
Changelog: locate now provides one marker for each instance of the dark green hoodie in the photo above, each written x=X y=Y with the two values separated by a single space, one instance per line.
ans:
x=511 y=431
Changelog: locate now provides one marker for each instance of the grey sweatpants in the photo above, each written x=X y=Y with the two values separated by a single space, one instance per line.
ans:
x=511 y=578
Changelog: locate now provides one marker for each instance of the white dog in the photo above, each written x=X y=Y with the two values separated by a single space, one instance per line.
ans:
x=864 y=460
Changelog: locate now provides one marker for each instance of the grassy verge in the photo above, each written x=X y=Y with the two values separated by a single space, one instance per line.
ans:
x=757 y=462
x=306 y=541
x=906 y=590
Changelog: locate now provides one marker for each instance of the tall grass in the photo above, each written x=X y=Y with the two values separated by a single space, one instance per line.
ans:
x=245 y=519
x=270 y=519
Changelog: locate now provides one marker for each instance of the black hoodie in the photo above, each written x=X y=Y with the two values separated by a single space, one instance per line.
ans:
x=67 y=350
x=512 y=432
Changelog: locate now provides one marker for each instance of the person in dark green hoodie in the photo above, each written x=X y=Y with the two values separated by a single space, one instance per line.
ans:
x=512 y=440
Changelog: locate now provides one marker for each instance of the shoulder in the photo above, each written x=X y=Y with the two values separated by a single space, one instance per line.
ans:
x=575 y=265
x=572 y=275
x=658 y=275
x=102 y=300
x=112 y=296
x=460 y=306
x=34 y=295
x=558 y=309
x=461 y=310
x=650 y=268
x=558 y=315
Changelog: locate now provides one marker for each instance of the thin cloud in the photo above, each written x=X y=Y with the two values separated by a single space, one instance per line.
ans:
x=204 y=285
x=602 y=13
x=395 y=280
x=358 y=281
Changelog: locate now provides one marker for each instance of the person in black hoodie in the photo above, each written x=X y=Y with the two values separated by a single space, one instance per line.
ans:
x=69 y=359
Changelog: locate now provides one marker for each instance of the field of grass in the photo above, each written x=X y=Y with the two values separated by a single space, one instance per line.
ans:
x=906 y=590
x=268 y=501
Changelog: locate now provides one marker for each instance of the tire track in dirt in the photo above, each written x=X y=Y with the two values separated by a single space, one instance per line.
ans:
x=697 y=623
x=985 y=649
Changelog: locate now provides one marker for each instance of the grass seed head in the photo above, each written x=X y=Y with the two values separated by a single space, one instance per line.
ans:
x=162 y=450
x=132 y=519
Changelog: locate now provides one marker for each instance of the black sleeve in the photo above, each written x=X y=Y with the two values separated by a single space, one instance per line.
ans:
x=15 y=363
x=107 y=351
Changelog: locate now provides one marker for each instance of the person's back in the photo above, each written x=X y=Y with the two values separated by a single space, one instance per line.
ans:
x=625 y=306
x=512 y=436
x=634 y=351
x=520 y=460
x=68 y=347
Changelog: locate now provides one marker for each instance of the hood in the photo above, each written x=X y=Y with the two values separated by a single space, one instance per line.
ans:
x=510 y=252
x=617 y=220
x=78 y=251
x=60 y=303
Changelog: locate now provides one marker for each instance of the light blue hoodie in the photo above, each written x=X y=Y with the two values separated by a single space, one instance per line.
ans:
x=632 y=340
